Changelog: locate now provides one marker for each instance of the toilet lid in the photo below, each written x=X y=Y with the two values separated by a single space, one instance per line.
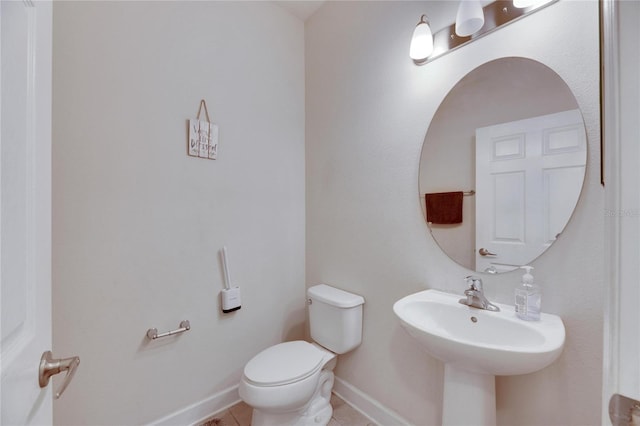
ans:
x=284 y=363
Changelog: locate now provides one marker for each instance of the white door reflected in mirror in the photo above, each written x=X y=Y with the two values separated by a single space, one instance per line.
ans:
x=542 y=157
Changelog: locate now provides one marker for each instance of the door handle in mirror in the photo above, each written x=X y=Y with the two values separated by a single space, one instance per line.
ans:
x=50 y=366
x=484 y=252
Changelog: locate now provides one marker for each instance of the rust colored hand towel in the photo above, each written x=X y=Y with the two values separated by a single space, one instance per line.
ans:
x=444 y=208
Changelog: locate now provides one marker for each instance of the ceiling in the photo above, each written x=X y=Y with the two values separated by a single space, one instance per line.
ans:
x=441 y=13
x=303 y=9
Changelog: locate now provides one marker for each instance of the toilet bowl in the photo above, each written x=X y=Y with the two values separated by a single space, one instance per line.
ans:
x=290 y=383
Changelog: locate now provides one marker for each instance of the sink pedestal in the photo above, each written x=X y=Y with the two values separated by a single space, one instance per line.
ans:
x=469 y=398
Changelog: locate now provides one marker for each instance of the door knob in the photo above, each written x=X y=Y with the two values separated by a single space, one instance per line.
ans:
x=484 y=252
x=50 y=366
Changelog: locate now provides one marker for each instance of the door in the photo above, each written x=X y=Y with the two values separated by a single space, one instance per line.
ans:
x=621 y=56
x=25 y=209
x=529 y=175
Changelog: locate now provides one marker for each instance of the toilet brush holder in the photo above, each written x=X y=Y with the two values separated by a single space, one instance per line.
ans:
x=230 y=299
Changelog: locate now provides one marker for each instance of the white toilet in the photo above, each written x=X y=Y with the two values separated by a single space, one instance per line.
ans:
x=290 y=383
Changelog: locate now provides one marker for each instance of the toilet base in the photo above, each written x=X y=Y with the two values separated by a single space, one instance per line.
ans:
x=316 y=413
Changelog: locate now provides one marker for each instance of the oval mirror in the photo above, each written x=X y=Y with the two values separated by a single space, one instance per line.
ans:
x=502 y=165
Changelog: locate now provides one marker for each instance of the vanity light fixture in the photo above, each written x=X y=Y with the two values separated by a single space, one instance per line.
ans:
x=472 y=22
x=422 y=41
x=470 y=17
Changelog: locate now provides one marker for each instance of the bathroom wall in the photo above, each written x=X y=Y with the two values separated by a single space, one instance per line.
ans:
x=368 y=109
x=137 y=224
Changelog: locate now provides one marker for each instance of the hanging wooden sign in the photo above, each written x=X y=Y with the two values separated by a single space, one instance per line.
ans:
x=203 y=136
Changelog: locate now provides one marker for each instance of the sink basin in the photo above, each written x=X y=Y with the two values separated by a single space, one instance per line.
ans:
x=496 y=343
x=476 y=345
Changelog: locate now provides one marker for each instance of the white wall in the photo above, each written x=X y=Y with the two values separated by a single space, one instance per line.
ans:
x=367 y=111
x=138 y=224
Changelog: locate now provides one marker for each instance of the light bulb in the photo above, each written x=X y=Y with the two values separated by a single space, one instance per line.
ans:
x=470 y=18
x=422 y=41
x=522 y=4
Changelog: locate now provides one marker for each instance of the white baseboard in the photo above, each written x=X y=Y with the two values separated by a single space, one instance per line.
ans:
x=367 y=406
x=360 y=401
x=199 y=411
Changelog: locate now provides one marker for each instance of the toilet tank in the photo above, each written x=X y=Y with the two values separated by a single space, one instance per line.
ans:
x=335 y=318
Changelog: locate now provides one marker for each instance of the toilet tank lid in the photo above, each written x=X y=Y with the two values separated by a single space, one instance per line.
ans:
x=334 y=296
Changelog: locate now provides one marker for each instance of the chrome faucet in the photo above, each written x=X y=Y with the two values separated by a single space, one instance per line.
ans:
x=475 y=295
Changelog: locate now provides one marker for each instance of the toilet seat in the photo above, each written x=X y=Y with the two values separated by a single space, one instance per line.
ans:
x=284 y=363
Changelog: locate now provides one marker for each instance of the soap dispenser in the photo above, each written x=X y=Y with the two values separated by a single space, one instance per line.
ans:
x=528 y=297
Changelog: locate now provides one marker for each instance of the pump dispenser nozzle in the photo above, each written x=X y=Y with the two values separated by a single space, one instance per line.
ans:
x=527 y=278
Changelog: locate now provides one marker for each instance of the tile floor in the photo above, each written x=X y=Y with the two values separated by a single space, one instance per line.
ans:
x=240 y=415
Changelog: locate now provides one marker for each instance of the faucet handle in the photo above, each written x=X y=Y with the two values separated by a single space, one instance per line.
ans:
x=474 y=283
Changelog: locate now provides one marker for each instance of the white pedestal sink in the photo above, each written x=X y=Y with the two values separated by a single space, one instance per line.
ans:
x=476 y=345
